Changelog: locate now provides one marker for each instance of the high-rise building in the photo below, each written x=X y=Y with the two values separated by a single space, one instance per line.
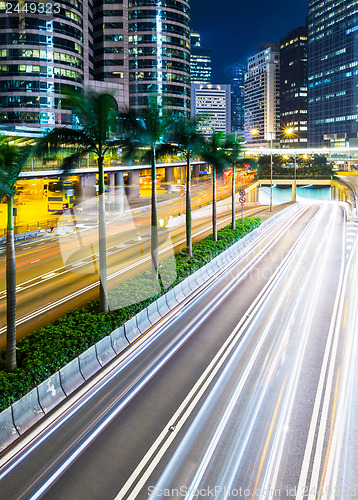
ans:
x=41 y=53
x=159 y=53
x=110 y=42
x=293 y=88
x=262 y=95
x=235 y=75
x=132 y=52
x=212 y=103
x=332 y=73
x=200 y=60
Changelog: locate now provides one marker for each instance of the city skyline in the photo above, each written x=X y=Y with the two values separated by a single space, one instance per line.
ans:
x=267 y=23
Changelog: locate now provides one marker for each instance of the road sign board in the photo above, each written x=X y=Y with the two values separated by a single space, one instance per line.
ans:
x=242 y=192
x=182 y=191
x=64 y=206
x=242 y=199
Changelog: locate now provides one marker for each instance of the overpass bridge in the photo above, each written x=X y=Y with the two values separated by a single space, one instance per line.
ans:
x=342 y=189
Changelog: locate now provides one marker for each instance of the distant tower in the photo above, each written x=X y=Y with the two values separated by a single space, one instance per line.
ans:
x=200 y=60
x=235 y=76
x=332 y=73
x=212 y=102
x=262 y=90
x=293 y=87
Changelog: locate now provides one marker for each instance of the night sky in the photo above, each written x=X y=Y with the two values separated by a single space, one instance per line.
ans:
x=233 y=29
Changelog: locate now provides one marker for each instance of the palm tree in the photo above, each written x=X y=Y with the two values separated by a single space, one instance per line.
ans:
x=188 y=141
x=12 y=160
x=148 y=130
x=98 y=117
x=214 y=154
x=233 y=150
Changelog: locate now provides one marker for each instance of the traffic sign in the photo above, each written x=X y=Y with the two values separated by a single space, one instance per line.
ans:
x=242 y=199
x=64 y=206
x=242 y=192
x=182 y=191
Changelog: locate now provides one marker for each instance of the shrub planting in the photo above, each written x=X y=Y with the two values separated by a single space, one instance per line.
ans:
x=50 y=348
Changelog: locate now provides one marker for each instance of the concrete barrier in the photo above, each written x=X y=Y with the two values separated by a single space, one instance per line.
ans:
x=209 y=269
x=89 y=363
x=142 y=321
x=199 y=276
x=71 y=377
x=50 y=392
x=204 y=273
x=170 y=298
x=119 y=342
x=105 y=351
x=186 y=288
x=131 y=330
x=27 y=411
x=192 y=283
x=178 y=293
x=153 y=313
x=8 y=432
x=162 y=305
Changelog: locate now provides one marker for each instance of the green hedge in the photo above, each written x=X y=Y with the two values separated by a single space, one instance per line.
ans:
x=50 y=348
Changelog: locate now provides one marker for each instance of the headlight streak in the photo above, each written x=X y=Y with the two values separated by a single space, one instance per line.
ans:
x=280 y=437
x=323 y=394
x=255 y=405
x=63 y=300
x=233 y=283
x=158 y=448
x=342 y=435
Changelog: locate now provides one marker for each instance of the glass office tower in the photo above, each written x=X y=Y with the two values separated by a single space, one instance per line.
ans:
x=41 y=53
x=333 y=73
x=200 y=61
x=159 y=53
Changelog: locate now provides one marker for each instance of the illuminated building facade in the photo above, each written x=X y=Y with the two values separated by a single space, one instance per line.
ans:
x=332 y=73
x=235 y=75
x=262 y=96
x=212 y=102
x=41 y=53
x=159 y=53
x=200 y=60
x=293 y=88
x=131 y=48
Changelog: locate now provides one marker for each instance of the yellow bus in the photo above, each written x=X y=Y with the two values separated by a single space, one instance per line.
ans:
x=61 y=197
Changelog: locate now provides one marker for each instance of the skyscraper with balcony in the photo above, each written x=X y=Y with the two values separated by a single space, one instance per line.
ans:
x=293 y=88
x=262 y=96
x=332 y=73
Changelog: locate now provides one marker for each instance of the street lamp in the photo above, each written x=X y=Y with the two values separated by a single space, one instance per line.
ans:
x=290 y=132
x=271 y=169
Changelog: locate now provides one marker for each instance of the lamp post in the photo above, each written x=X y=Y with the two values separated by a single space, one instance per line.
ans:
x=289 y=132
x=271 y=169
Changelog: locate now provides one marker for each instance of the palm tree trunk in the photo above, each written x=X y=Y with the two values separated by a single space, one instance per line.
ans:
x=188 y=221
x=102 y=246
x=215 y=232
x=154 y=220
x=10 y=355
x=233 y=199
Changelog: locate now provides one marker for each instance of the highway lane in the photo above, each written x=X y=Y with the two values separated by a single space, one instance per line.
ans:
x=61 y=273
x=225 y=393
x=339 y=475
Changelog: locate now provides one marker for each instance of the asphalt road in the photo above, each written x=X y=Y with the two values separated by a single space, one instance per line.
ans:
x=246 y=391
x=60 y=273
